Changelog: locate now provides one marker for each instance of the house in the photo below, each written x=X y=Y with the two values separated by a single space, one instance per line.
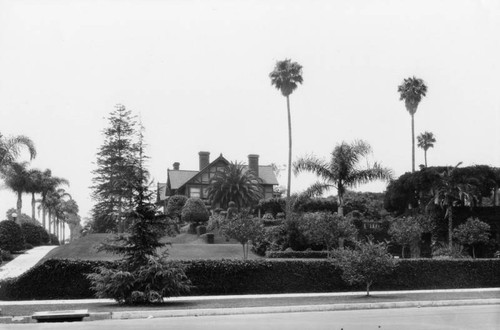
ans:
x=195 y=183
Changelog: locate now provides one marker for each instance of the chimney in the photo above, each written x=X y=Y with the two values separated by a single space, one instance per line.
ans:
x=253 y=164
x=176 y=166
x=204 y=159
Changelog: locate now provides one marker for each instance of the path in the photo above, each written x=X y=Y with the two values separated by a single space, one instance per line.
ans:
x=24 y=261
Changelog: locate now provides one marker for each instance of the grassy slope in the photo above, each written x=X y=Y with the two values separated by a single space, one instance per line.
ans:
x=184 y=246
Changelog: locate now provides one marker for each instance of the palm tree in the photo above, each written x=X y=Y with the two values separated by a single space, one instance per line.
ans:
x=235 y=184
x=55 y=206
x=285 y=77
x=10 y=148
x=450 y=192
x=342 y=171
x=34 y=187
x=411 y=91
x=49 y=184
x=17 y=178
x=425 y=141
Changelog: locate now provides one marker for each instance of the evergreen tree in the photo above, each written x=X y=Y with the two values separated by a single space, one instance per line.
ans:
x=116 y=172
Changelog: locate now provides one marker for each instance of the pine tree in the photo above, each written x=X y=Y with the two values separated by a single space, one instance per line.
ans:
x=116 y=172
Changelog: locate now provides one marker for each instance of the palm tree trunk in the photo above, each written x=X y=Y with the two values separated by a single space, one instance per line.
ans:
x=450 y=227
x=425 y=156
x=33 y=204
x=412 y=144
x=44 y=213
x=340 y=198
x=289 y=182
x=19 y=206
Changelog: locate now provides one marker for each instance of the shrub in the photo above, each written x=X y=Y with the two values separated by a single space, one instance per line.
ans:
x=327 y=229
x=174 y=206
x=34 y=234
x=243 y=229
x=6 y=255
x=194 y=211
x=11 y=236
x=272 y=239
x=472 y=232
x=444 y=252
x=405 y=231
x=53 y=239
x=366 y=264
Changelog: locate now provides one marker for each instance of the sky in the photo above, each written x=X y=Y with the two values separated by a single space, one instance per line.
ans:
x=197 y=75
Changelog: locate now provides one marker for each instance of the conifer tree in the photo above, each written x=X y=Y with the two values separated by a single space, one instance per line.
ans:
x=116 y=172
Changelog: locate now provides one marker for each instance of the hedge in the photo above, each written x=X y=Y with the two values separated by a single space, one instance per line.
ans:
x=65 y=279
x=297 y=254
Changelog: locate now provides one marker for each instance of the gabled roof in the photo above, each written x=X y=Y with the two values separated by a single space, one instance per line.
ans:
x=266 y=173
x=178 y=178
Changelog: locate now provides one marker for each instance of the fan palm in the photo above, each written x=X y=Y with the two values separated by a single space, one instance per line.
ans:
x=425 y=141
x=285 y=77
x=10 y=148
x=17 y=178
x=342 y=171
x=235 y=183
x=411 y=91
x=450 y=192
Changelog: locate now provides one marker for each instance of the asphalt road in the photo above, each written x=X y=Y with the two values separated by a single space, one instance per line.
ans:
x=442 y=318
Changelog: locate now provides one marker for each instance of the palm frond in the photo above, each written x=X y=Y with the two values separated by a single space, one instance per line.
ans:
x=314 y=165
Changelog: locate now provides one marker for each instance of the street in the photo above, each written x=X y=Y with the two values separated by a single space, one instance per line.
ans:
x=462 y=317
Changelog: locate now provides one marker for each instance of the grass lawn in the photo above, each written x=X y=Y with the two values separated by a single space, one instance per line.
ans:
x=184 y=246
x=25 y=310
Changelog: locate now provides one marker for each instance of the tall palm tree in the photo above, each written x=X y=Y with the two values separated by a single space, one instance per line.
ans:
x=17 y=178
x=235 y=184
x=425 y=141
x=449 y=192
x=341 y=171
x=411 y=91
x=10 y=148
x=285 y=77
x=55 y=206
x=34 y=187
x=49 y=184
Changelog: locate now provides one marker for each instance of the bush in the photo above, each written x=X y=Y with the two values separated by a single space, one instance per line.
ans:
x=6 y=255
x=444 y=252
x=11 y=236
x=174 y=206
x=472 y=233
x=34 y=234
x=53 y=239
x=65 y=279
x=194 y=211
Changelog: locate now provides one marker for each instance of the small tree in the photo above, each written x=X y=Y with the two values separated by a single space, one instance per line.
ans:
x=243 y=229
x=327 y=229
x=366 y=264
x=404 y=231
x=175 y=205
x=194 y=211
x=472 y=232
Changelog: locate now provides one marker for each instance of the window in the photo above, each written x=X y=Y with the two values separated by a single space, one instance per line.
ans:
x=195 y=192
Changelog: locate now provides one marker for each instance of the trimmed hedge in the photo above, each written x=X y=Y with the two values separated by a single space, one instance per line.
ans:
x=297 y=254
x=34 y=234
x=11 y=236
x=65 y=279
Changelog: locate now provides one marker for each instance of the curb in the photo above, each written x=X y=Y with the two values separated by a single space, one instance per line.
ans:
x=297 y=309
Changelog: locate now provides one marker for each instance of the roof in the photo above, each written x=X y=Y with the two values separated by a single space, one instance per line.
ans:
x=179 y=177
x=266 y=173
x=162 y=190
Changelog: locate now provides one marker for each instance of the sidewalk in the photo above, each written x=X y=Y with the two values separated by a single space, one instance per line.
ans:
x=102 y=309
x=24 y=262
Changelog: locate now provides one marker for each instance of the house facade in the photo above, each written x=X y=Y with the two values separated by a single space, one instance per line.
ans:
x=195 y=183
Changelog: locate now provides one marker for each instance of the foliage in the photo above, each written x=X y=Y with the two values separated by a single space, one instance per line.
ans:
x=54 y=240
x=425 y=141
x=65 y=279
x=472 y=232
x=11 y=236
x=369 y=204
x=308 y=254
x=20 y=218
x=272 y=205
x=35 y=234
x=174 y=206
x=117 y=171
x=242 y=228
x=442 y=251
x=10 y=149
x=366 y=264
x=17 y=178
x=342 y=171
x=404 y=231
x=48 y=185
x=235 y=183
x=194 y=211
x=142 y=275
x=327 y=229
x=273 y=238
